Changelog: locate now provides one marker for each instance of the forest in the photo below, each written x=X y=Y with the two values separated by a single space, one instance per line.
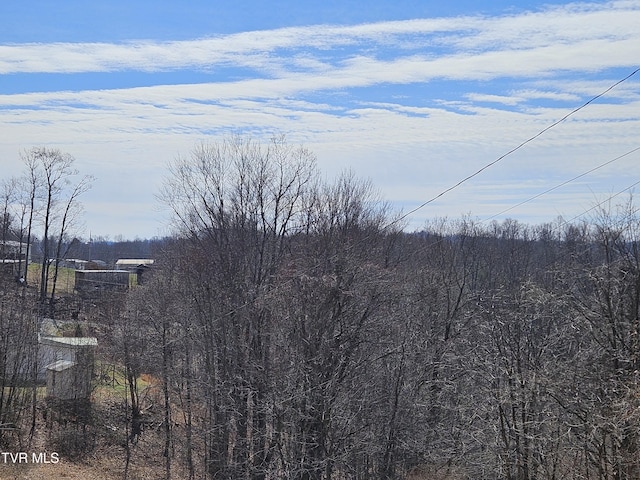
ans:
x=292 y=329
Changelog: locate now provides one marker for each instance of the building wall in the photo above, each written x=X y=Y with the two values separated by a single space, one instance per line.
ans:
x=70 y=383
x=88 y=281
x=51 y=351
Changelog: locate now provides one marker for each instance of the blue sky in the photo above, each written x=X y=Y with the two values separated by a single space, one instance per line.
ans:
x=414 y=95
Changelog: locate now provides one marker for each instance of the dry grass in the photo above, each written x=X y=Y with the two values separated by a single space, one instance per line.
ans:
x=98 y=451
x=102 y=453
x=433 y=472
x=103 y=467
x=66 y=278
x=100 y=470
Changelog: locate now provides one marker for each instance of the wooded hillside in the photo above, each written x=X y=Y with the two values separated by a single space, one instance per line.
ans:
x=294 y=331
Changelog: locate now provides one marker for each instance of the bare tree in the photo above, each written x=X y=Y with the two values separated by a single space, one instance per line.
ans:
x=8 y=196
x=607 y=302
x=32 y=183
x=70 y=215
x=49 y=174
x=237 y=203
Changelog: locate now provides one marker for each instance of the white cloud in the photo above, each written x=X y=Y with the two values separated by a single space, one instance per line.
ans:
x=577 y=28
x=487 y=98
x=534 y=94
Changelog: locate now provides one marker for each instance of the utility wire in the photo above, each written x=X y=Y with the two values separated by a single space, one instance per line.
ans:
x=597 y=205
x=565 y=223
x=562 y=184
x=515 y=149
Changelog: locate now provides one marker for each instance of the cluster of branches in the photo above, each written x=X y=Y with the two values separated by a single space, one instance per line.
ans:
x=43 y=205
x=299 y=336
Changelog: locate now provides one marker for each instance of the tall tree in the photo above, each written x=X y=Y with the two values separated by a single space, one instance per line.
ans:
x=71 y=210
x=237 y=202
x=49 y=174
x=607 y=301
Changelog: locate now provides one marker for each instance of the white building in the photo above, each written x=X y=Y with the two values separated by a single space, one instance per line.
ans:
x=67 y=365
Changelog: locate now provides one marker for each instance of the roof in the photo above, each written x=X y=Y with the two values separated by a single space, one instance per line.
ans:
x=90 y=271
x=71 y=341
x=135 y=261
x=12 y=243
x=60 y=365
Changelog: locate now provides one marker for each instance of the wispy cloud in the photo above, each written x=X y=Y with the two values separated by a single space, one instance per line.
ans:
x=572 y=29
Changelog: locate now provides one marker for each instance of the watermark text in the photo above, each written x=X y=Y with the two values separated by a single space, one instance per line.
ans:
x=29 y=457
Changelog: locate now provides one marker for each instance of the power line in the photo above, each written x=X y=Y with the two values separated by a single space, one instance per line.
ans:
x=515 y=149
x=608 y=199
x=563 y=183
x=565 y=223
x=561 y=223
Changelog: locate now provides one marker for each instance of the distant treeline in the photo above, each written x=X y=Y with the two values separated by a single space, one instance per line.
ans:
x=110 y=251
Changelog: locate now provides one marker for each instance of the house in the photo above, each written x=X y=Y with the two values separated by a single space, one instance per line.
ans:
x=12 y=250
x=13 y=255
x=74 y=263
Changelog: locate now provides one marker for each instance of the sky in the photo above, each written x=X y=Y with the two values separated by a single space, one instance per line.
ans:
x=413 y=95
